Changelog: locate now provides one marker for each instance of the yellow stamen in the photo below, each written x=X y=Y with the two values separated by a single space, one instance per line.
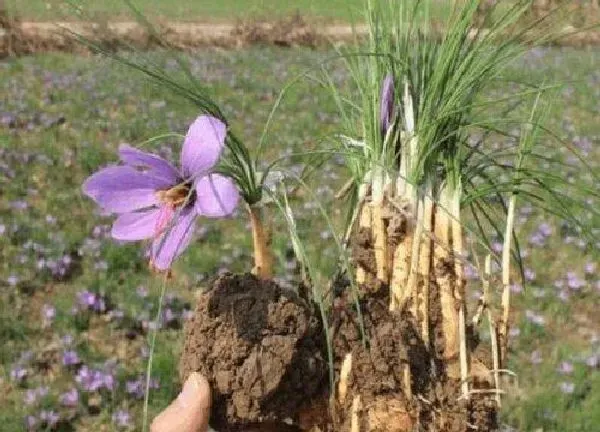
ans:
x=175 y=196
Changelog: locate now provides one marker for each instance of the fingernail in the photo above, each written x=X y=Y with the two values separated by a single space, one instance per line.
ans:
x=190 y=392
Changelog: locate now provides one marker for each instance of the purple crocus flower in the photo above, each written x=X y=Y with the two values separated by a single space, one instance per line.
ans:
x=31 y=422
x=70 y=398
x=387 y=104
x=70 y=358
x=18 y=373
x=48 y=313
x=154 y=200
x=566 y=368
x=50 y=418
x=536 y=357
x=122 y=419
x=135 y=388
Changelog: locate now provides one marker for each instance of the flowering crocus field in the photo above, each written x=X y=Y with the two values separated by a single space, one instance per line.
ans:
x=77 y=308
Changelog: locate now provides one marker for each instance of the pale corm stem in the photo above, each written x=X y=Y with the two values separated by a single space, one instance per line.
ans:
x=364 y=222
x=378 y=224
x=444 y=275
x=412 y=287
x=457 y=245
x=263 y=258
x=425 y=266
x=510 y=220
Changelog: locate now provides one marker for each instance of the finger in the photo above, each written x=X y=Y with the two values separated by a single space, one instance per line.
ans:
x=190 y=411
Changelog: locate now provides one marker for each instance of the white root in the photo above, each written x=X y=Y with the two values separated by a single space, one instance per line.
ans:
x=344 y=374
x=355 y=419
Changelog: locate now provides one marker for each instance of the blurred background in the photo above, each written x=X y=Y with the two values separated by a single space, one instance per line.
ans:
x=77 y=308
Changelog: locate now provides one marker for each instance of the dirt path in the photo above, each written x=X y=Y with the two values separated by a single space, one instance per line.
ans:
x=32 y=37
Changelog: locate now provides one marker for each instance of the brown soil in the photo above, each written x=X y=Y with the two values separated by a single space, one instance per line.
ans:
x=262 y=351
x=377 y=364
x=392 y=342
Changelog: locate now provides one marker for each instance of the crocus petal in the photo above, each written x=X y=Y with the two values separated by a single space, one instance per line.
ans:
x=387 y=103
x=156 y=166
x=202 y=146
x=216 y=196
x=175 y=239
x=163 y=219
x=135 y=226
x=123 y=189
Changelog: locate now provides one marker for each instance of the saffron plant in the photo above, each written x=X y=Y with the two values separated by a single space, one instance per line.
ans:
x=237 y=163
x=417 y=100
x=154 y=200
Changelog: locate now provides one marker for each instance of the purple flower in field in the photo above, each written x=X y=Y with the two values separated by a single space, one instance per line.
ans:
x=122 y=419
x=387 y=104
x=30 y=397
x=563 y=295
x=590 y=268
x=574 y=282
x=536 y=357
x=169 y=315
x=70 y=358
x=92 y=380
x=70 y=398
x=154 y=200
x=31 y=422
x=516 y=288
x=86 y=299
x=108 y=381
x=135 y=388
x=567 y=387
x=50 y=418
x=67 y=340
x=593 y=361
x=535 y=318
x=142 y=291
x=12 y=280
x=18 y=373
x=545 y=229
x=529 y=275
x=48 y=314
x=565 y=368
x=33 y=395
x=537 y=239
x=497 y=247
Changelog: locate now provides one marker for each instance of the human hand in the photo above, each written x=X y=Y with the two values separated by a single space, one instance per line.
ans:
x=190 y=411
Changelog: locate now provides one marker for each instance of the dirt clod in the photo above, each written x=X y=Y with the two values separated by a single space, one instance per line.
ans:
x=262 y=350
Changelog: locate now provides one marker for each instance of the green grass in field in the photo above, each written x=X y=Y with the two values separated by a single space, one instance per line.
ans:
x=63 y=117
x=202 y=10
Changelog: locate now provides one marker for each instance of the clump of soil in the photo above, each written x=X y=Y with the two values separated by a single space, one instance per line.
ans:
x=391 y=347
x=379 y=363
x=261 y=348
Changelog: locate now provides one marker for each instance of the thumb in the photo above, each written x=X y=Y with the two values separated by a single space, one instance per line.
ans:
x=190 y=411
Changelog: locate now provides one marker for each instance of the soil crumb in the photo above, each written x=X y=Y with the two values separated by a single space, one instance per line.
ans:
x=262 y=350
